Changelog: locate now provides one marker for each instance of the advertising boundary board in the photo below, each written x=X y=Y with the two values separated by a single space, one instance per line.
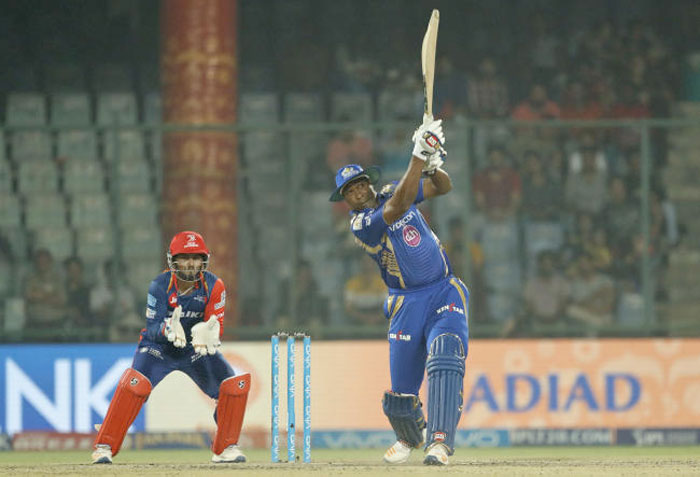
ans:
x=526 y=385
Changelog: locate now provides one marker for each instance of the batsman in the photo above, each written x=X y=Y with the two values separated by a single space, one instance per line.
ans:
x=427 y=306
x=184 y=323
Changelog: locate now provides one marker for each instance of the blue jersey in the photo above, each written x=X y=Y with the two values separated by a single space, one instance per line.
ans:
x=206 y=299
x=408 y=252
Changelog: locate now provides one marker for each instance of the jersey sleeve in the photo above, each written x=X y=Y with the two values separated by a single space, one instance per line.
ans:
x=217 y=304
x=156 y=312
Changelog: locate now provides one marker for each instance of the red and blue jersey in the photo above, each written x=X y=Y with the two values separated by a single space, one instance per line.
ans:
x=207 y=298
x=408 y=252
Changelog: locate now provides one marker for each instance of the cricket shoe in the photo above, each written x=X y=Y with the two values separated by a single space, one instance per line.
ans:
x=102 y=454
x=398 y=453
x=436 y=454
x=232 y=454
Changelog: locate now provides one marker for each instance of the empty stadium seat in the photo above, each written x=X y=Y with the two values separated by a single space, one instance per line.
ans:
x=142 y=243
x=17 y=240
x=318 y=217
x=351 y=107
x=258 y=108
x=306 y=147
x=125 y=143
x=31 y=144
x=6 y=279
x=70 y=109
x=10 y=210
x=37 y=176
x=116 y=109
x=155 y=144
x=77 y=144
x=83 y=175
x=260 y=149
x=274 y=242
x=137 y=210
x=45 y=210
x=57 y=240
x=141 y=272
x=303 y=107
x=95 y=244
x=152 y=108
x=270 y=206
x=131 y=175
x=25 y=109
x=90 y=210
x=5 y=176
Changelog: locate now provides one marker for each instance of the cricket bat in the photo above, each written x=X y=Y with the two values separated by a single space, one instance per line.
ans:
x=428 y=62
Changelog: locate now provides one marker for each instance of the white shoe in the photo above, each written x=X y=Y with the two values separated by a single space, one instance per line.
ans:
x=102 y=454
x=398 y=453
x=436 y=454
x=231 y=454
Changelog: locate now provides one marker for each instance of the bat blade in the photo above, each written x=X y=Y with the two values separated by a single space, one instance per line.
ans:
x=428 y=61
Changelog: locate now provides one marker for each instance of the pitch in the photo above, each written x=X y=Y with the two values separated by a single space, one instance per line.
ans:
x=541 y=461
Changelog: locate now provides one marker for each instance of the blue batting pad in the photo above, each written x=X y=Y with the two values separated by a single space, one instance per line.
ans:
x=445 y=366
x=405 y=414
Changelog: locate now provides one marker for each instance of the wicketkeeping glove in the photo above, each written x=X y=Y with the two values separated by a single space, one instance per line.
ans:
x=428 y=139
x=173 y=330
x=205 y=336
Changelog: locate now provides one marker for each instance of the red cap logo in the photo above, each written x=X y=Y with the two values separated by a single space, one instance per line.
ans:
x=188 y=242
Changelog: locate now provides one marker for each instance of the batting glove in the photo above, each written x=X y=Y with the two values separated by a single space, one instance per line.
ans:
x=428 y=139
x=205 y=336
x=434 y=162
x=173 y=330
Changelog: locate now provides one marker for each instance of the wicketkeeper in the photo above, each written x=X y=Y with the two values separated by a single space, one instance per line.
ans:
x=184 y=323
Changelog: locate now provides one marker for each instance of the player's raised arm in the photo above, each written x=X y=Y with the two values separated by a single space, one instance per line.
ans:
x=438 y=183
x=427 y=140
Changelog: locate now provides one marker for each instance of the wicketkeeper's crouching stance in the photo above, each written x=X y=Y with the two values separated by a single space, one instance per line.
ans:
x=184 y=323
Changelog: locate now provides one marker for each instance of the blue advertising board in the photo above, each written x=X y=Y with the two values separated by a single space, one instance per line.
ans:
x=64 y=388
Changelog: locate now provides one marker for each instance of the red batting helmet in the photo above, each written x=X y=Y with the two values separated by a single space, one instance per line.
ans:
x=187 y=242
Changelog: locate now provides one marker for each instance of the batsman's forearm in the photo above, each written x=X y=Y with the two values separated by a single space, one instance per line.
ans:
x=442 y=182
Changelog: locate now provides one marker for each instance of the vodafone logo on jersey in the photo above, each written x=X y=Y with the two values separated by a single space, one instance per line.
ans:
x=172 y=299
x=411 y=236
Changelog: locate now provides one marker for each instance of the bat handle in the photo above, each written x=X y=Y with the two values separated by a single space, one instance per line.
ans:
x=427 y=118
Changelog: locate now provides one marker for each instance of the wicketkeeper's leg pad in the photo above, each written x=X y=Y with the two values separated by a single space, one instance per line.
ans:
x=405 y=414
x=132 y=391
x=233 y=396
x=445 y=366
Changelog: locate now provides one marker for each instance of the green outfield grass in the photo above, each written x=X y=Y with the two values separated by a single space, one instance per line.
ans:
x=541 y=461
